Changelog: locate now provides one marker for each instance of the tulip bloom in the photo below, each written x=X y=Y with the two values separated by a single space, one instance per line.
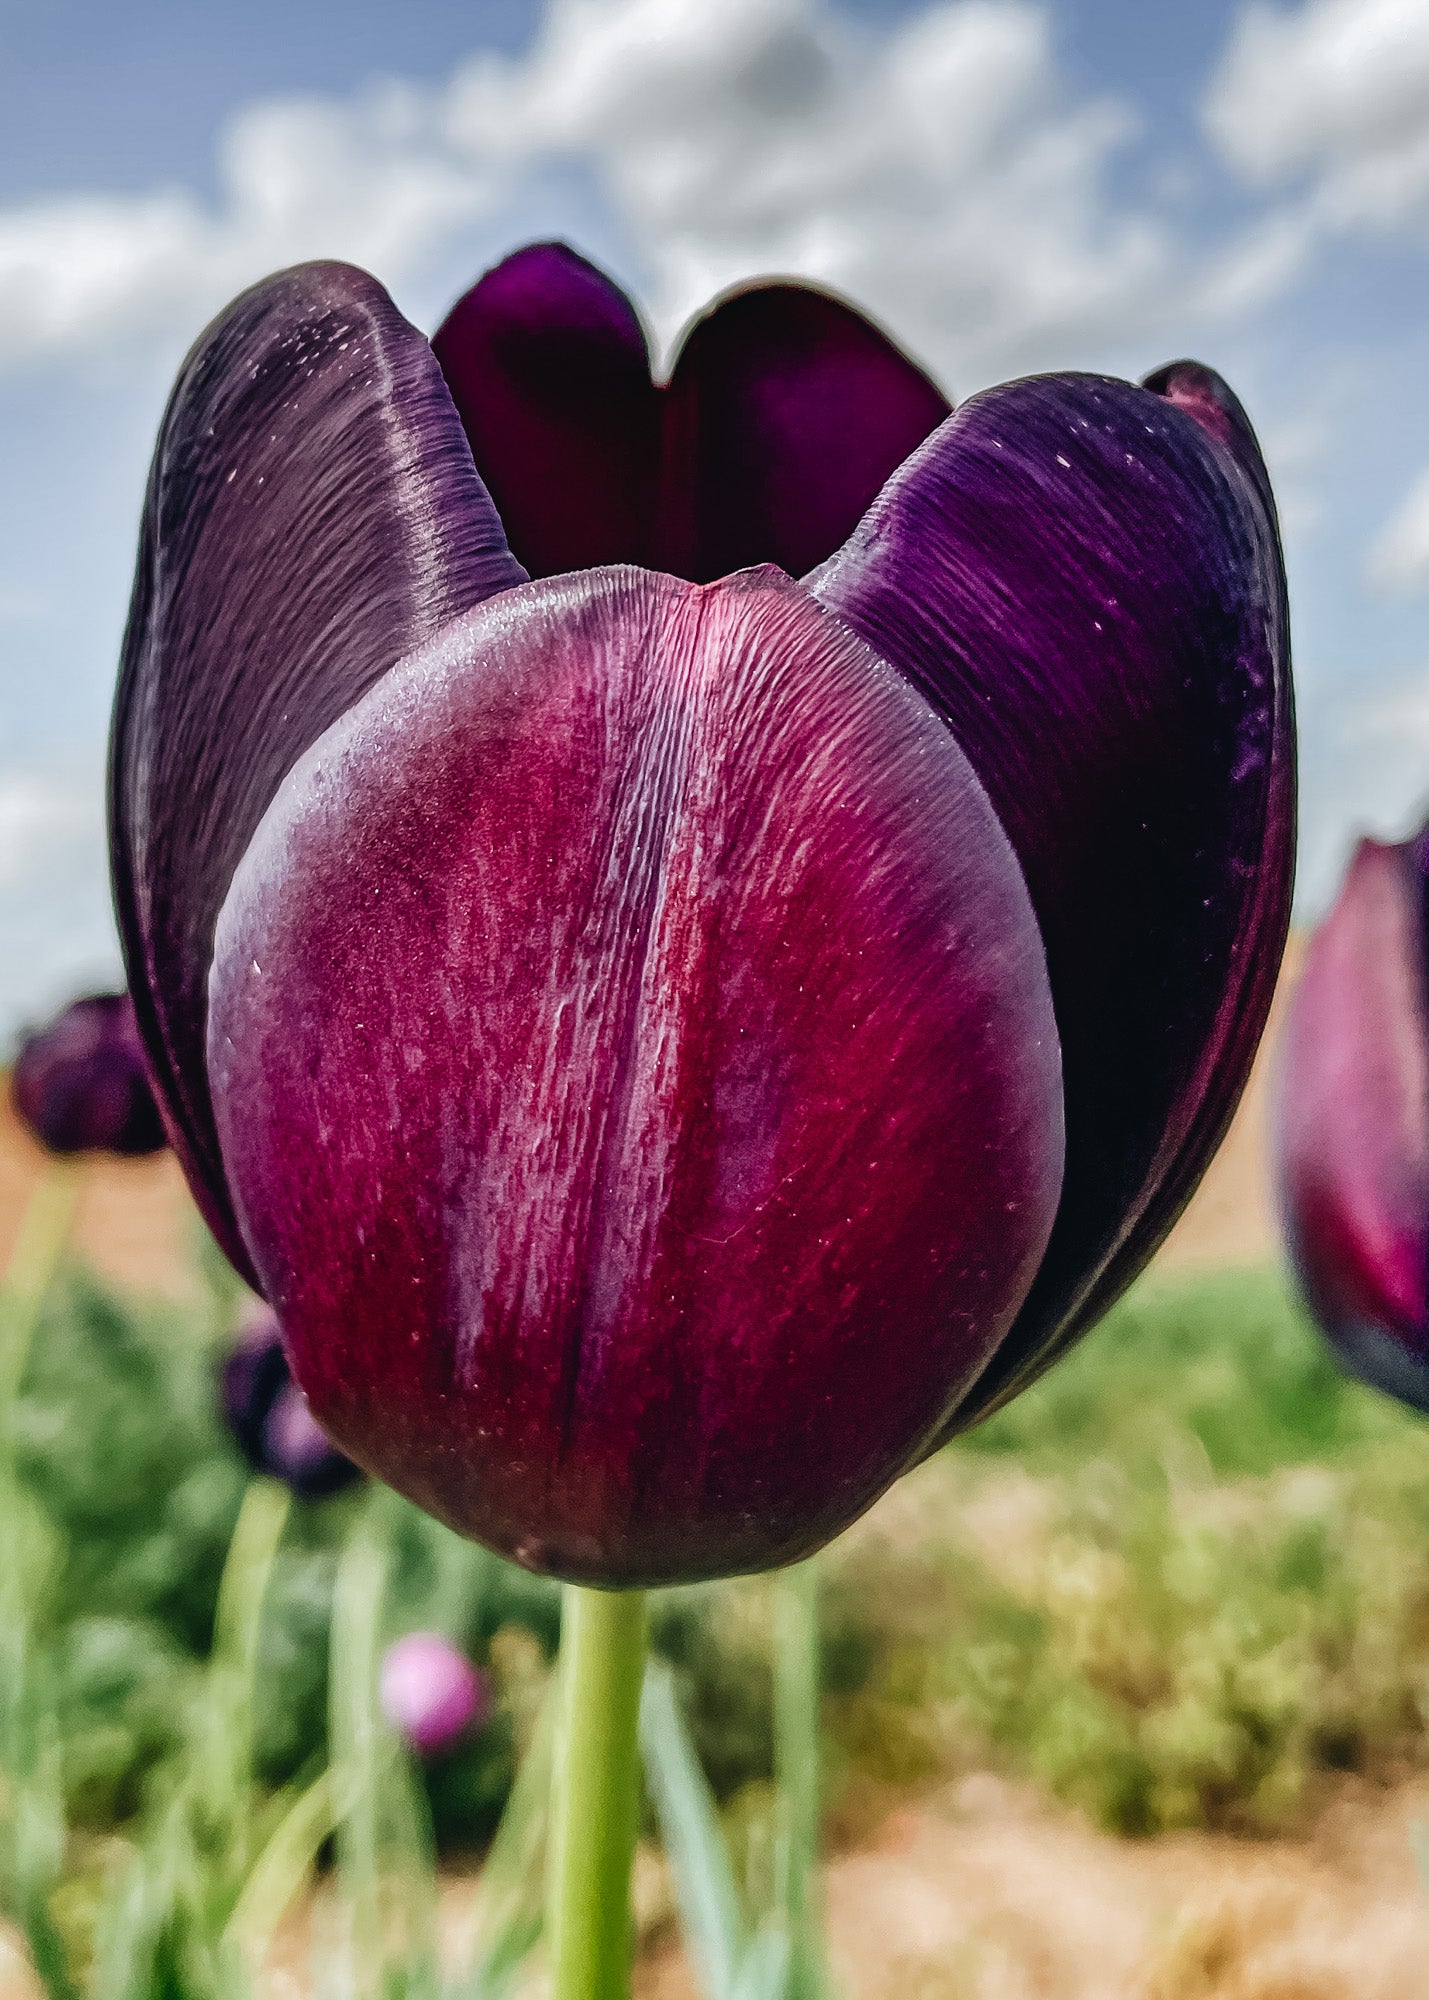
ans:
x=1352 y=1122
x=431 y=1693
x=269 y=1419
x=673 y=1041
x=80 y=1084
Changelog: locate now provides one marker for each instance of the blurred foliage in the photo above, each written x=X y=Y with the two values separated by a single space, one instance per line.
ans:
x=1176 y=1583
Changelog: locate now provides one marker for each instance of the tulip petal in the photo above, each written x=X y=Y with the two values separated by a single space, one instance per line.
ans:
x=785 y=413
x=312 y=515
x=636 y=1074
x=1084 y=579
x=547 y=364
x=1352 y=1124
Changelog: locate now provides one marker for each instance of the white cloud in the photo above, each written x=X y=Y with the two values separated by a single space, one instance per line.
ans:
x=1336 y=92
x=42 y=823
x=943 y=172
x=298 y=179
x=1399 y=560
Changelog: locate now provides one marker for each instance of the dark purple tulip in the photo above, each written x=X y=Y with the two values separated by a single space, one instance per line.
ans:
x=609 y=1013
x=269 y=1417
x=81 y=1085
x=431 y=1693
x=1352 y=1122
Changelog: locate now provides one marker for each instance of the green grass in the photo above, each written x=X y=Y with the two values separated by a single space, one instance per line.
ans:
x=1184 y=1581
x=1181 y=1582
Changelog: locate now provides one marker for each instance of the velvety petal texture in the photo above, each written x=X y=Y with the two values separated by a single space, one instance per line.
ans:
x=80 y=1084
x=1083 y=578
x=636 y=1076
x=1352 y=1123
x=785 y=412
x=312 y=514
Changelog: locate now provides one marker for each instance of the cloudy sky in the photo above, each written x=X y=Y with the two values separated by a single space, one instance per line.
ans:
x=1008 y=185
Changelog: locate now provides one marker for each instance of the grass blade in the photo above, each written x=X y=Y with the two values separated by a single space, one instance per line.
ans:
x=511 y=1907
x=280 y=1871
x=694 y=1843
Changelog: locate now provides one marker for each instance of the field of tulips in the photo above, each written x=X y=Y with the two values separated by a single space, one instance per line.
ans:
x=1180 y=1585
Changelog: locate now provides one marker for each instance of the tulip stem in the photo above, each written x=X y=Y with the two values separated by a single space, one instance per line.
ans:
x=796 y=1769
x=597 y=1790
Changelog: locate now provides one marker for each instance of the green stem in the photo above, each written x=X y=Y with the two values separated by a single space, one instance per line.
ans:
x=596 y=1793
x=796 y=1762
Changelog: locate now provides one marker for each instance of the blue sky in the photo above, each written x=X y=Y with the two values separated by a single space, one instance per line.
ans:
x=1008 y=185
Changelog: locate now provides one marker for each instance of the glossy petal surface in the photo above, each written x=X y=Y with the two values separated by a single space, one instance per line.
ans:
x=1084 y=579
x=785 y=413
x=1352 y=1124
x=80 y=1084
x=312 y=514
x=547 y=363
x=636 y=1075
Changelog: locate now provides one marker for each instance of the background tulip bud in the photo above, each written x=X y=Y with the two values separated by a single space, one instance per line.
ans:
x=81 y=1084
x=1352 y=1122
x=431 y=1693
x=269 y=1417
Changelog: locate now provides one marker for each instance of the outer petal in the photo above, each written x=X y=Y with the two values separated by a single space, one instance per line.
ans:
x=1352 y=1124
x=312 y=514
x=636 y=1074
x=1085 y=580
x=785 y=413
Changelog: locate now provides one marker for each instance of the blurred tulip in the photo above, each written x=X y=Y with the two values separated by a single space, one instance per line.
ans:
x=431 y=1693
x=269 y=1417
x=625 y=1018
x=1352 y=1122
x=80 y=1084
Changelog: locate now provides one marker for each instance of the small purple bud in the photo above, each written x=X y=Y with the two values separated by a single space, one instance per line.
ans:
x=80 y=1084
x=269 y=1417
x=431 y=1693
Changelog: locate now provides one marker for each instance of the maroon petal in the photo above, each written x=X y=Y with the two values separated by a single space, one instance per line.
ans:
x=80 y=1084
x=786 y=412
x=1352 y=1124
x=635 y=1070
x=312 y=514
x=1085 y=580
